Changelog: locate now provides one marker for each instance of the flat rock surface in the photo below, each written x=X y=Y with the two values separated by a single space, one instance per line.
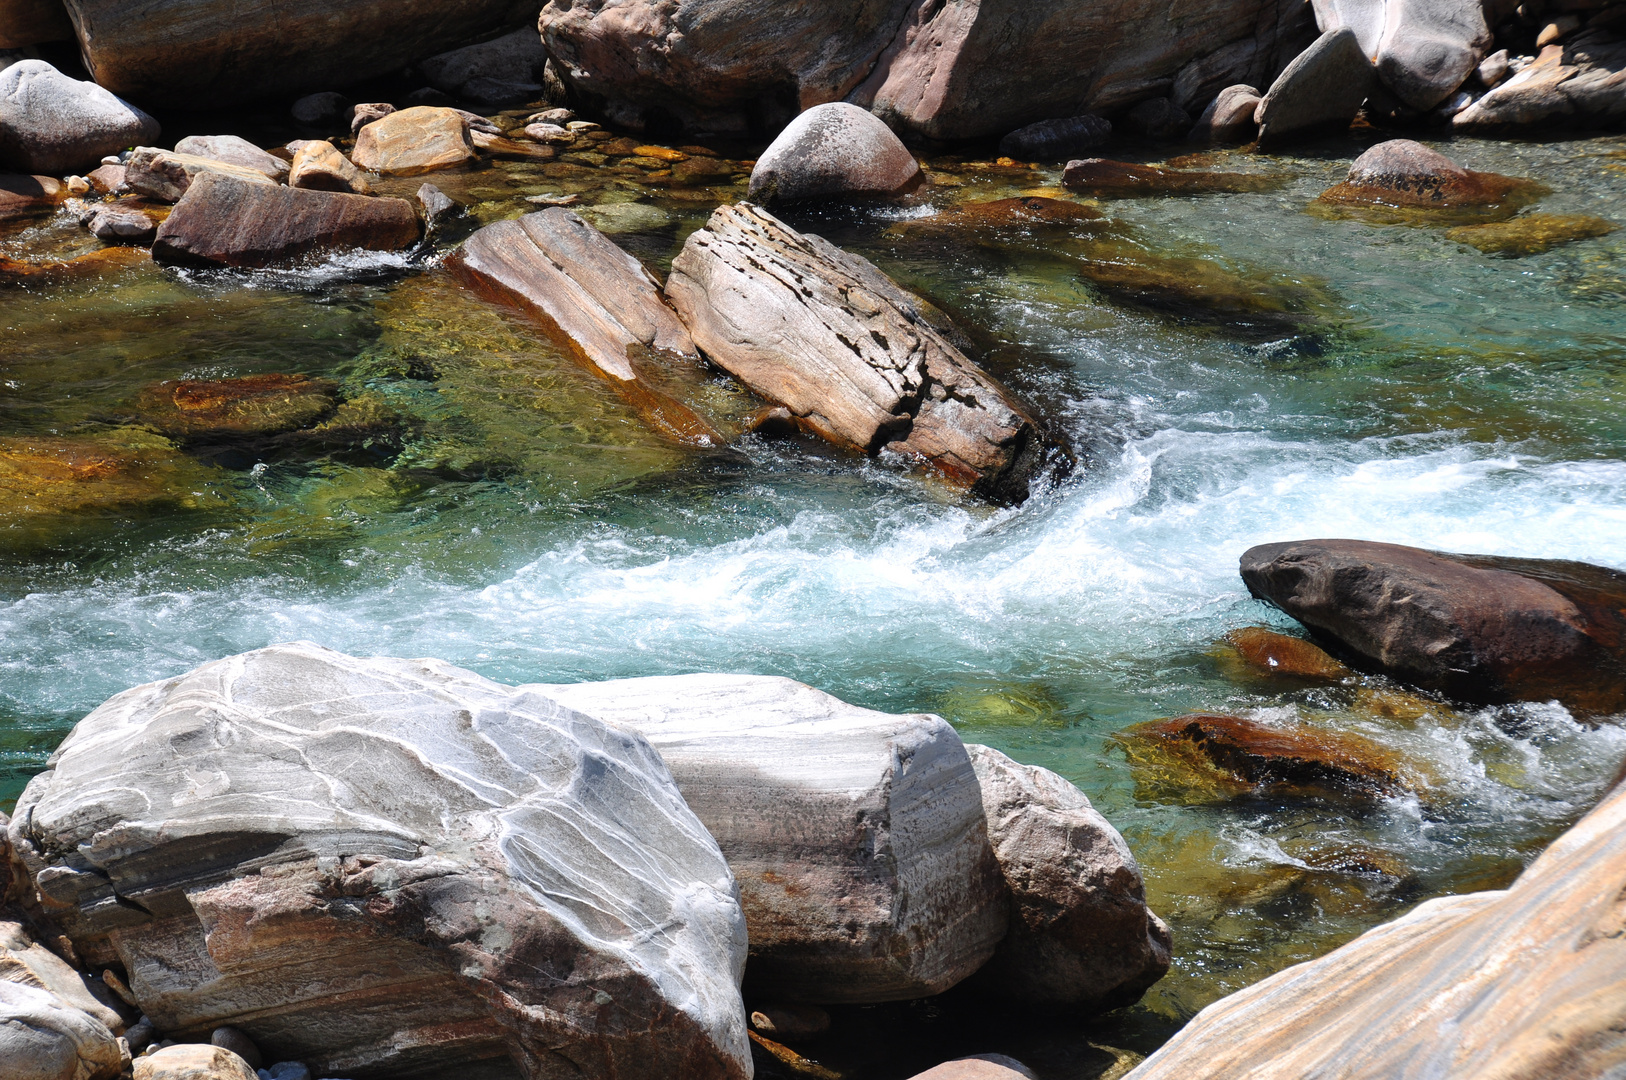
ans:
x=830 y=151
x=1478 y=628
x=226 y=221
x=857 y=837
x=1527 y=984
x=50 y=123
x=234 y=150
x=22 y=195
x=856 y=359
x=392 y=867
x=413 y=141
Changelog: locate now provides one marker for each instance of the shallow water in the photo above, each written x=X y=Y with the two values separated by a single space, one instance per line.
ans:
x=531 y=529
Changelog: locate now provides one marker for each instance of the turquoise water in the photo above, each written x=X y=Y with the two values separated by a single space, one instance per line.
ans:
x=531 y=530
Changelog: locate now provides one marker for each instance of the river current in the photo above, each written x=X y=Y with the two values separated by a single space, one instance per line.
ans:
x=531 y=530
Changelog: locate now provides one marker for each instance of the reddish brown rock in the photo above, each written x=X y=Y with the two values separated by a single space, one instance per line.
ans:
x=108 y=179
x=22 y=195
x=593 y=299
x=318 y=166
x=1406 y=174
x=224 y=221
x=1270 y=653
x=858 y=360
x=33 y=22
x=166 y=175
x=1007 y=215
x=250 y=405
x=1125 y=180
x=979 y=1067
x=511 y=149
x=91 y=264
x=414 y=141
x=1477 y=628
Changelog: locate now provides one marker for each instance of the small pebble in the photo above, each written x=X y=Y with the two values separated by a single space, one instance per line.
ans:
x=551 y=199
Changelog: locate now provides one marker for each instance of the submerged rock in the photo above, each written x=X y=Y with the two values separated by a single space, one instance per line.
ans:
x=1525 y=984
x=1124 y=180
x=252 y=405
x=858 y=838
x=1206 y=755
x=414 y=141
x=1531 y=234
x=1081 y=935
x=166 y=175
x=594 y=300
x=1057 y=140
x=225 y=221
x=858 y=360
x=1201 y=289
x=52 y=124
x=1323 y=87
x=29 y=196
x=392 y=867
x=1581 y=83
x=47 y=475
x=116 y=223
x=91 y=264
x=1475 y=627
x=834 y=150
x=1000 y=218
x=1267 y=652
x=234 y=150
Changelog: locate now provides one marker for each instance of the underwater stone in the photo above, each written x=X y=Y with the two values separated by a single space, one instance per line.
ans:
x=1271 y=653
x=833 y=151
x=1531 y=234
x=392 y=867
x=1123 y=179
x=249 y=405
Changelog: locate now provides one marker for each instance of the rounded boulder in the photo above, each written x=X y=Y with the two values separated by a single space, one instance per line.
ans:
x=833 y=151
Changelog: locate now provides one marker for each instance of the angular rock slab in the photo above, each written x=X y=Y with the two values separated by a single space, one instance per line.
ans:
x=1325 y=85
x=1478 y=628
x=166 y=174
x=226 y=221
x=1581 y=83
x=234 y=150
x=1081 y=935
x=392 y=868
x=593 y=298
x=52 y=124
x=411 y=142
x=1527 y=984
x=831 y=151
x=855 y=358
x=857 y=837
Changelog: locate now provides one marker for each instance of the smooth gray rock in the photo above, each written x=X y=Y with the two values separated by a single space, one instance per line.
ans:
x=167 y=175
x=834 y=150
x=1424 y=49
x=392 y=867
x=321 y=109
x=43 y=1037
x=115 y=224
x=1324 y=86
x=856 y=359
x=52 y=124
x=1081 y=935
x=234 y=150
x=857 y=837
x=230 y=1038
x=1057 y=140
x=437 y=205
x=515 y=59
x=1229 y=117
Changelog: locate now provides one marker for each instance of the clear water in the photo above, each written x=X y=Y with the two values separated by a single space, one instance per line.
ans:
x=533 y=531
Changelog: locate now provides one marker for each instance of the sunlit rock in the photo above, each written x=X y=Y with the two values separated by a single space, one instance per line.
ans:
x=392 y=867
x=979 y=1067
x=249 y=405
x=1526 y=983
x=109 y=260
x=319 y=166
x=1403 y=173
x=1478 y=628
x=833 y=151
x=43 y=1037
x=1423 y=49
x=234 y=150
x=1581 y=83
x=414 y=141
x=858 y=838
x=45 y=476
x=167 y=174
x=1531 y=234
x=52 y=124
x=193 y=1061
x=858 y=360
x=1081 y=935
x=1229 y=117
x=1122 y=179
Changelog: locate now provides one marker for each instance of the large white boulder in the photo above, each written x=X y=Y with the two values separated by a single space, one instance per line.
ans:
x=392 y=867
x=52 y=124
x=835 y=150
x=1423 y=49
x=857 y=837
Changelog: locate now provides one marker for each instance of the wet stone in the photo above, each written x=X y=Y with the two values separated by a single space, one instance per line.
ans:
x=1057 y=140
x=1406 y=175
x=1126 y=180
x=1267 y=652
x=1531 y=234
x=48 y=475
x=253 y=405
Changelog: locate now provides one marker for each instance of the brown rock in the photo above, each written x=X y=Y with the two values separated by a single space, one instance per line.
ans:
x=1581 y=83
x=1323 y=87
x=1207 y=754
x=1005 y=217
x=108 y=179
x=1531 y=234
x=857 y=359
x=414 y=141
x=234 y=151
x=43 y=475
x=1477 y=628
x=318 y=166
x=250 y=405
x=511 y=149
x=593 y=299
x=90 y=264
x=116 y=223
x=979 y=1067
x=223 y=221
x=790 y=1022
x=33 y=22
x=166 y=175
x=1526 y=984
x=25 y=196
x=833 y=150
x=1124 y=180
x=193 y=1061
x=798 y=1065
x=1270 y=653
x=1404 y=173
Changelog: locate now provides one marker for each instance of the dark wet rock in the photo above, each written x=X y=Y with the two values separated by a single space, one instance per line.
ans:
x=29 y=196
x=392 y=868
x=230 y=1038
x=234 y=150
x=979 y=1067
x=32 y=22
x=193 y=1061
x=1229 y=117
x=1477 y=628
x=1323 y=87
x=365 y=113
x=224 y=221
x=857 y=359
x=1057 y=140
x=52 y=124
x=791 y=1023
x=1531 y=234
x=514 y=60
x=1004 y=218
x=1581 y=83
x=318 y=166
x=703 y=170
x=1125 y=180
x=1081 y=936
x=251 y=405
x=1523 y=984
x=288 y=1070
x=594 y=299
x=1267 y=652
x=140 y=1035
x=324 y=109
x=413 y=141
x=1158 y=119
x=833 y=151
x=1204 y=756
x=115 y=223
x=166 y=174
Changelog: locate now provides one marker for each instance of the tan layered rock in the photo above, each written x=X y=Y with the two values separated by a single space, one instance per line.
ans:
x=193 y=1061
x=1580 y=83
x=593 y=299
x=226 y=221
x=1526 y=984
x=414 y=141
x=318 y=166
x=234 y=150
x=166 y=174
x=856 y=359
